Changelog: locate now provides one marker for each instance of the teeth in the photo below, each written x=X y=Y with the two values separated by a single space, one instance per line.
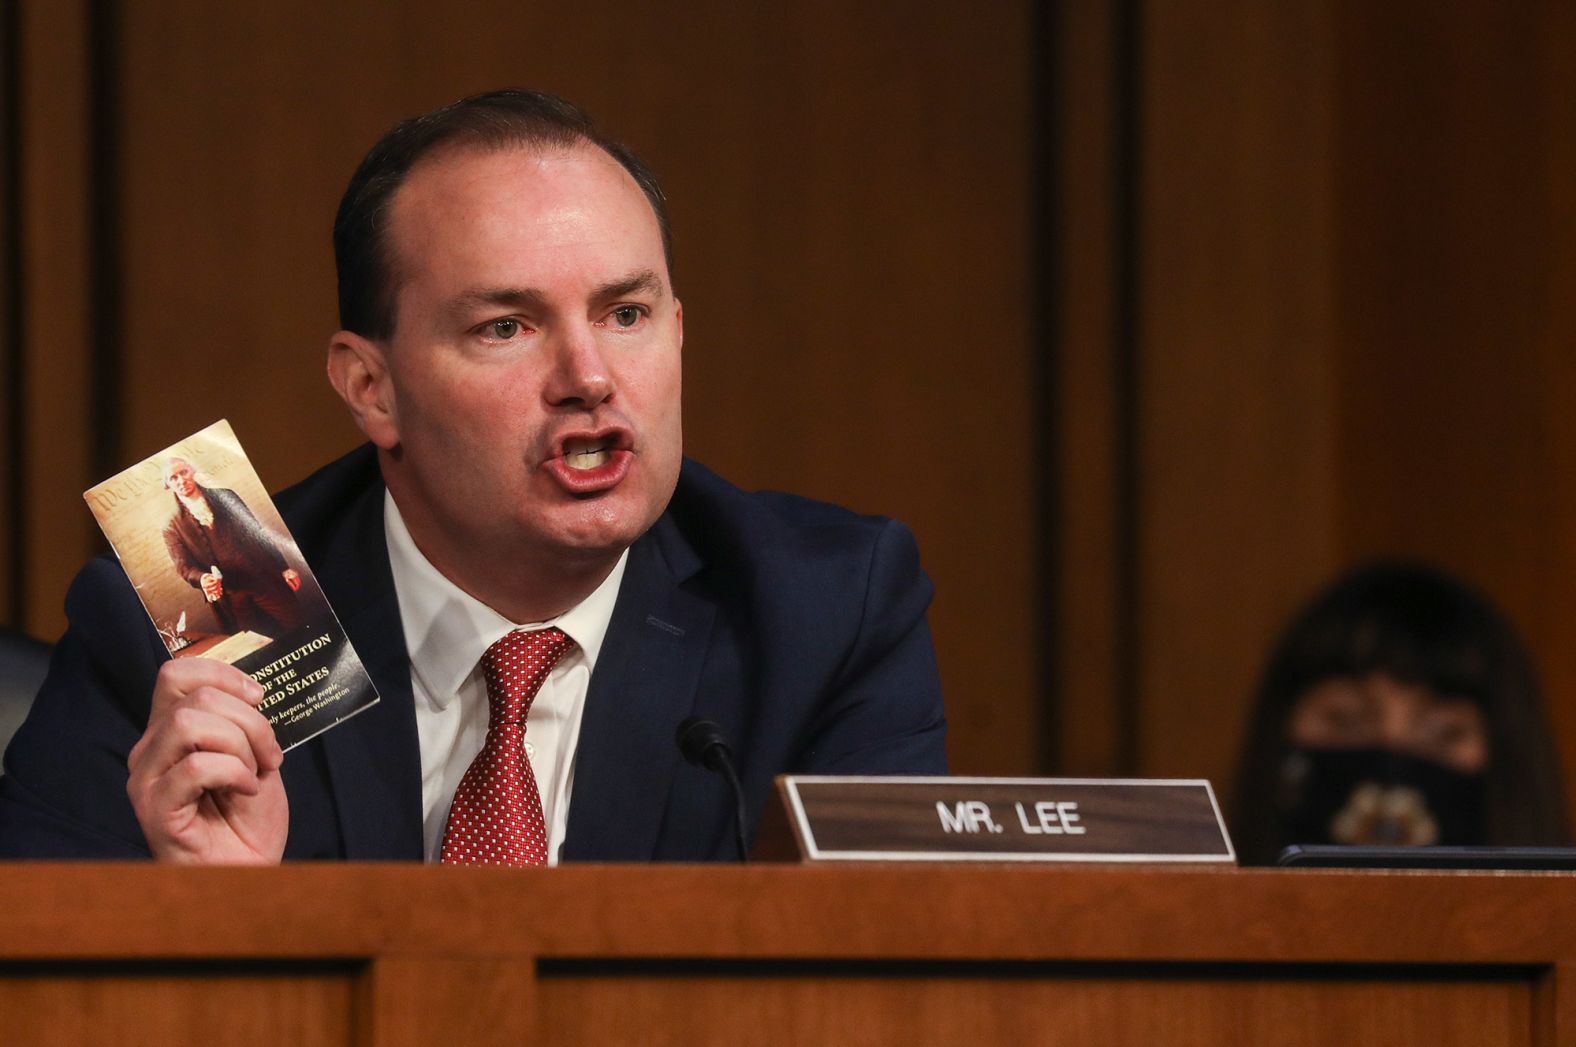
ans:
x=587 y=459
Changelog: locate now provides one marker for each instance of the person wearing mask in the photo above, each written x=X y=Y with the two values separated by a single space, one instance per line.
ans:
x=1398 y=708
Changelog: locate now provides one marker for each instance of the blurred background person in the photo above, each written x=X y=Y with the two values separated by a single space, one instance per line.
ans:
x=1399 y=708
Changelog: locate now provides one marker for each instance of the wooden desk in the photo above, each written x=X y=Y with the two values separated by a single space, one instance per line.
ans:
x=386 y=955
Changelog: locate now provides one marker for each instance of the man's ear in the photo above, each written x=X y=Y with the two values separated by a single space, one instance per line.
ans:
x=359 y=372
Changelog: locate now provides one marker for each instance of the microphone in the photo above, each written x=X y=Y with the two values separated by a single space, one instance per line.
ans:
x=704 y=745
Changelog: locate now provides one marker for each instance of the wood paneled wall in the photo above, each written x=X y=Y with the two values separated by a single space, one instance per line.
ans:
x=55 y=321
x=850 y=195
x=1455 y=342
x=1328 y=322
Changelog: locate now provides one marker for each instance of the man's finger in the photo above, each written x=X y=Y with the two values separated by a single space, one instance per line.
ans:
x=184 y=784
x=187 y=730
x=259 y=733
x=180 y=677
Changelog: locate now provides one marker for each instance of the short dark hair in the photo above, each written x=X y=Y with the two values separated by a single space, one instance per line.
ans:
x=1418 y=625
x=489 y=122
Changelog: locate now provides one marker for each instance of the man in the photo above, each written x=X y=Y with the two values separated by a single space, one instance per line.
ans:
x=511 y=348
x=219 y=547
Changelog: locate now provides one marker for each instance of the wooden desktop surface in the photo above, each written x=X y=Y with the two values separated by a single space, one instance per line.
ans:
x=911 y=954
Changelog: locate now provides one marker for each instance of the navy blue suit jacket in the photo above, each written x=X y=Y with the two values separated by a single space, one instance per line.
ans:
x=797 y=626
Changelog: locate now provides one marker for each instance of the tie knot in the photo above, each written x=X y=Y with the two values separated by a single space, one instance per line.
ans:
x=515 y=667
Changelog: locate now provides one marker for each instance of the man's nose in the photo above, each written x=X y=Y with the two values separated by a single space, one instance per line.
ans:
x=580 y=376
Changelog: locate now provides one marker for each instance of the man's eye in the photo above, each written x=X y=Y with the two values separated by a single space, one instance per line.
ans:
x=504 y=329
x=626 y=315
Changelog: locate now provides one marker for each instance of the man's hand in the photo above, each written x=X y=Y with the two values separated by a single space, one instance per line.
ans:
x=292 y=579
x=205 y=776
x=212 y=586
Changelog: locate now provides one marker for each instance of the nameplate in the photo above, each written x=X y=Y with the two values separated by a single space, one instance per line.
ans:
x=1004 y=819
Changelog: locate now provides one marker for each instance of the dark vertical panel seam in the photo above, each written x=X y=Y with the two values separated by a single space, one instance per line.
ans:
x=1127 y=142
x=13 y=329
x=1046 y=274
x=106 y=346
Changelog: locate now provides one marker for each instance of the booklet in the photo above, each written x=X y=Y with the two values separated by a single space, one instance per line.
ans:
x=221 y=578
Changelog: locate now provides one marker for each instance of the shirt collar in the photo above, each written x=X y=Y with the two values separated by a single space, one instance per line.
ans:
x=447 y=630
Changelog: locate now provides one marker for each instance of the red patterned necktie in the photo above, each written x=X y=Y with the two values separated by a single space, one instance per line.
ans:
x=496 y=817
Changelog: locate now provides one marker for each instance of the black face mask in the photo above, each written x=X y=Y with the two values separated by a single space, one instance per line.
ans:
x=1377 y=797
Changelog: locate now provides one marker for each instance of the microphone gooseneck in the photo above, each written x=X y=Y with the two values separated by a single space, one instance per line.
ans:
x=704 y=745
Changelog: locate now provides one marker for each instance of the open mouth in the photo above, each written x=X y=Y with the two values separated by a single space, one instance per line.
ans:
x=583 y=455
x=590 y=463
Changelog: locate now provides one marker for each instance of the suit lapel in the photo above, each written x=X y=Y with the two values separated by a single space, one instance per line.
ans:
x=643 y=685
x=374 y=760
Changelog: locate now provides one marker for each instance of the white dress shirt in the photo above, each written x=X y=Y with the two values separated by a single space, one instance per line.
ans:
x=446 y=632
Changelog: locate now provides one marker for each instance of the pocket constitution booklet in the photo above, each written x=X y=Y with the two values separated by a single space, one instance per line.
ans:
x=219 y=574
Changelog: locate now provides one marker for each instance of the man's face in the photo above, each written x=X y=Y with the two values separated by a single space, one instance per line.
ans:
x=535 y=368
x=182 y=480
